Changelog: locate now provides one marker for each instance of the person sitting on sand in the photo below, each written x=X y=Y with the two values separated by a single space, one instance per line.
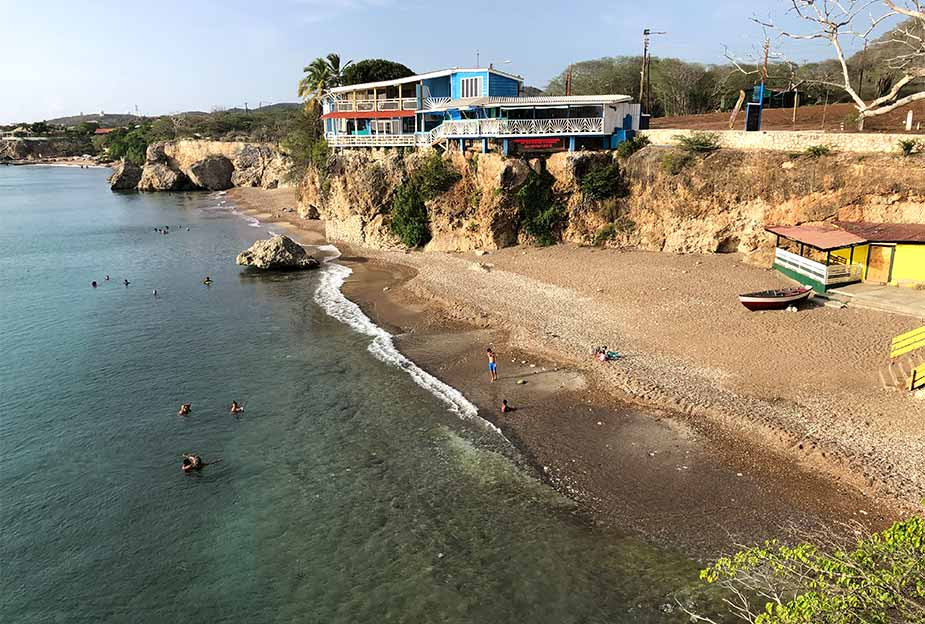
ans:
x=185 y=409
x=505 y=408
x=492 y=365
x=235 y=408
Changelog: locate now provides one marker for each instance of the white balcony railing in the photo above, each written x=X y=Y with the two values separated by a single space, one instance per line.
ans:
x=828 y=275
x=370 y=140
x=517 y=127
x=382 y=104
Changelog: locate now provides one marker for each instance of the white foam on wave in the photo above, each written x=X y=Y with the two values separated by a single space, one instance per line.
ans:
x=333 y=301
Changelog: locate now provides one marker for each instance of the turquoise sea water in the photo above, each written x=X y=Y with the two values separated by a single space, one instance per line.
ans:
x=347 y=491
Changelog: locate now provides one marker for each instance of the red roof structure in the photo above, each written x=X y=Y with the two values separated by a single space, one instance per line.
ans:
x=103 y=130
x=820 y=237
x=368 y=114
x=885 y=232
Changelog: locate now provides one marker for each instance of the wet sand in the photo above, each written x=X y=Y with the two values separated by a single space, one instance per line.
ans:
x=713 y=429
x=662 y=474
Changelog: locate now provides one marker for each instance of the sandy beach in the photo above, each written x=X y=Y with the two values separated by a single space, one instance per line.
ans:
x=716 y=425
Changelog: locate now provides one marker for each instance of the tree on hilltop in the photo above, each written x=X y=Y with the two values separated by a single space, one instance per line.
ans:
x=374 y=70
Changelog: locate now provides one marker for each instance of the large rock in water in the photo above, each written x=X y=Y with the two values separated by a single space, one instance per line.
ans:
x=160 y=177
x=212 y=173
x=279 y=253
x=125 y=176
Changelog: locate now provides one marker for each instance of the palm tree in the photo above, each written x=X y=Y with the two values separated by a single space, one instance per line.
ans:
x=320 y=75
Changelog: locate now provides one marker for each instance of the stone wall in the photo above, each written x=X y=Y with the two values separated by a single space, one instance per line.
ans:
x=791 y=141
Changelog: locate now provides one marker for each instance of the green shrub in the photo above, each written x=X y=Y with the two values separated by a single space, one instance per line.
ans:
x=631 y=146
x=699 y=142
x=409 y=220
x=817 y=151
x=605 y=233
x=877 y=578
x=409 y=215
x=674 y=162
x=130 y=145
x=434 y=176
x=603 y=182
x=541 y=212
x=908 y=146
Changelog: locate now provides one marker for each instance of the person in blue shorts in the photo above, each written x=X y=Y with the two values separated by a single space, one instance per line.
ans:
x=492 y=365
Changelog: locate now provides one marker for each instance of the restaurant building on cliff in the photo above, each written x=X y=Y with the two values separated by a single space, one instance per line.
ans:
x=480 y=108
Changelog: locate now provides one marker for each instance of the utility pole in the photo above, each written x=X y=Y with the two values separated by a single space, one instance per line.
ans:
x=645 y=84
x=568 y=81
x=477 y=59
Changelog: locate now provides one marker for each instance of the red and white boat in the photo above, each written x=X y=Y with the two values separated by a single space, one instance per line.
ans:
x=775 y=299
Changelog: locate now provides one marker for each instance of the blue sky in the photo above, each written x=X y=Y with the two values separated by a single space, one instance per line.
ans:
x=64 y=57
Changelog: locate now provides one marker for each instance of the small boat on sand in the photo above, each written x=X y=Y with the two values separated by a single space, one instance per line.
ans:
x=775 y=299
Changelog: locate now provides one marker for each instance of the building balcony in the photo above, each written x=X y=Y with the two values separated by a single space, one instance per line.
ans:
x=820 y=275
x=381 y=104
x=508 y=128
x=374 y=140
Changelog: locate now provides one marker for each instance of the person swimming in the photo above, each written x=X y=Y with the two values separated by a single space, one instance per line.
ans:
x=126 y=282
x=207 y=281
x=235 y=408
x=155 y=292
x=107 y=278
x=185 y=409
x=93 y=283
x=195 y=462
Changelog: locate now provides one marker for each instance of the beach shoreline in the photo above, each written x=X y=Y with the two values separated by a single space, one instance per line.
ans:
x=631 y=460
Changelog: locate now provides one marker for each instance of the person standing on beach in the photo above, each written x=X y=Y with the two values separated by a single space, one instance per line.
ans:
x=492 y=365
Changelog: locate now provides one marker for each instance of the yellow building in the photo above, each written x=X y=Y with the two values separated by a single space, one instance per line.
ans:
x=895 y=253
x=824 y=256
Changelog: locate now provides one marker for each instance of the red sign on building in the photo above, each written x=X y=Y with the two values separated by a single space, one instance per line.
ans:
x=544 y=144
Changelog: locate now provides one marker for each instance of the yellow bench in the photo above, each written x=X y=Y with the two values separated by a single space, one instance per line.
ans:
x=908 y=342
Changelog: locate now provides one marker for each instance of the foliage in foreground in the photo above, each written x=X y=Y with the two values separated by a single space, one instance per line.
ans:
x=409 y=220
x=541 y=212
x=880 y=579
x=818 y=151
x=603 y=182
x=909 y=146
x=631 y=146
x=698 y=142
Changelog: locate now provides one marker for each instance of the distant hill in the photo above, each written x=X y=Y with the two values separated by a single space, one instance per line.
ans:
x=107 y=120
x=112 y=120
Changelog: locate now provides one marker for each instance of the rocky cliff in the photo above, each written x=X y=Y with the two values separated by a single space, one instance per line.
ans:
x=209 y=165
x=666 y=200
x=17 y=150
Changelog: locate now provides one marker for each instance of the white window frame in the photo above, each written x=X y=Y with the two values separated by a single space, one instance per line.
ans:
x=470 y=87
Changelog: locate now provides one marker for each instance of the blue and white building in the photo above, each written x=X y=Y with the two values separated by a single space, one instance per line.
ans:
x=479 y=108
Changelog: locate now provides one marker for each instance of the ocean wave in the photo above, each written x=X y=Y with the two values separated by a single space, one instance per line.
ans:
x=332 y=300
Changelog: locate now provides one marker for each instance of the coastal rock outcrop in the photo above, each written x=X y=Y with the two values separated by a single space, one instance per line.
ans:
x=212 y=165
x=160 y=177
x=125 y=176
x=279 y=253
x=212 y=173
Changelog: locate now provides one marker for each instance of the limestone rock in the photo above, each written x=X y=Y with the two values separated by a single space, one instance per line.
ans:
x=279 y=253
x=125 y=176
x=156 y=153
x=160 y=177
x=212 y=173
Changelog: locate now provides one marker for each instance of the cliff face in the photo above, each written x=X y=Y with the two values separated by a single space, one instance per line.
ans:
x=27 y=150
x=211 y=165
x=715 y=203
